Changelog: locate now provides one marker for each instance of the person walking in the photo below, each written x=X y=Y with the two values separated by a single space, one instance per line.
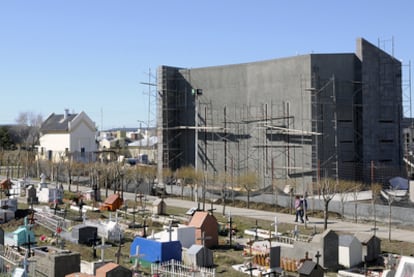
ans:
x=298 y=209
x=304 y=207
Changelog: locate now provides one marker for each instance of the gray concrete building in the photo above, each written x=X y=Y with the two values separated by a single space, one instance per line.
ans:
x=290 y=120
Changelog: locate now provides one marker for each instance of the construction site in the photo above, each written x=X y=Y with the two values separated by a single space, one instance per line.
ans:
x=292 y=120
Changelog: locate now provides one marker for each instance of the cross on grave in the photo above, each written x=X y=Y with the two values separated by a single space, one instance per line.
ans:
x=144 y=227
x=203 y=238
x=26 y=263
x=211 y=208
x=32 y=212
x=256 y=237
x=203 y=241
x=296 y=232
x=170 y=230
x=269 y=239
x=230 y=222
x=250 y=268
x=93 y=242
x=275 y=223
x=118 y=253
x=137 y=256
x=317 y=256
x=103 y=246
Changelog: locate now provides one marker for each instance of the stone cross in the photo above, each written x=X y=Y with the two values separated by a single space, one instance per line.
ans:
x=256 y=237
x=275 y=223
x=296 y=232
x=170 y=230
x=317 y=256
x=137 y=256
x=103 y=246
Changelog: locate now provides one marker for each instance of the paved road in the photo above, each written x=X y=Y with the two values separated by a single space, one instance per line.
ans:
x=334 y=224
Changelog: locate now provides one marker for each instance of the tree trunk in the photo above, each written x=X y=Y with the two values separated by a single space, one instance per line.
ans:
x=223 y=197
x=248 y=199
x=355 y=212
x=326 y=215
x=182 y=190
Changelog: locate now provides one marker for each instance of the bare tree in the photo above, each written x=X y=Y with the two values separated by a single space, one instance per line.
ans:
x=344 y=188
x=186 y=174
x=28 y=128
x=328 y=190
x=150 y=174
x=224 y=179
x=249 y=182
x=376 y=189
x=357 y=187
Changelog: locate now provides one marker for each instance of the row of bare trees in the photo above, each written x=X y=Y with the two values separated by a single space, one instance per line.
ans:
x=118 y=177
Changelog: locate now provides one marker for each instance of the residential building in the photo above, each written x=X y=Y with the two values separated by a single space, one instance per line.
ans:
x=68 y=135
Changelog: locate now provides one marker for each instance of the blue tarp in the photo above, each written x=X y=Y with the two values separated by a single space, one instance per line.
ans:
x=153 y=251
x=398 y=183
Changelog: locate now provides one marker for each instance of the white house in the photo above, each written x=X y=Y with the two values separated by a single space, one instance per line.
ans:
x=349 y=251
x=67 y=134
x=184 y=234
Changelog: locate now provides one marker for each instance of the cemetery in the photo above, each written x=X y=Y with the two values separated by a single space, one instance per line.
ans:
x=112 y=238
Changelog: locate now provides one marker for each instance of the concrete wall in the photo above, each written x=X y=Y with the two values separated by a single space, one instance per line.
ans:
x=382 y=105
x=364 y=211
x=242 y=108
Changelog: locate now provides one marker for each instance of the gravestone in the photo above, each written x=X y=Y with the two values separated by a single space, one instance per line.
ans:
x=84 y=234
x=274 y=256
x=32 y=196
x=327 y=244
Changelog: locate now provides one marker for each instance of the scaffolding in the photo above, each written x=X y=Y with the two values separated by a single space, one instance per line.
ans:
x=321 y=126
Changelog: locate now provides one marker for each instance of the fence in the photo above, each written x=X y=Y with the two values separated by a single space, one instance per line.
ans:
x=174 y=268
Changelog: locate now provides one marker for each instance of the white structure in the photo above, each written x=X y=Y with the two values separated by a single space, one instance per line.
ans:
x=64 y=134
x=8 y=208
x=349 y=251
x=183 y=233
x=198 y=255
x=49 y=195
x=109 y=230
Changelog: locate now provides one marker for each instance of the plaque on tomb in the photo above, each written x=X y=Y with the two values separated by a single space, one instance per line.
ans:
x=274 y=256
x=84 y=234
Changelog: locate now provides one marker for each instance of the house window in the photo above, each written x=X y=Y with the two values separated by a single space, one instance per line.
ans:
x=83 y=152
x=49 y=155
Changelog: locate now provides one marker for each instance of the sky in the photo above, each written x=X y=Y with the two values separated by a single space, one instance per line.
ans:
x=95 y=55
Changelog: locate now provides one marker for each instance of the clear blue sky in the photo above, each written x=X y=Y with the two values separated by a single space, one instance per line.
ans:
x=93 y=55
